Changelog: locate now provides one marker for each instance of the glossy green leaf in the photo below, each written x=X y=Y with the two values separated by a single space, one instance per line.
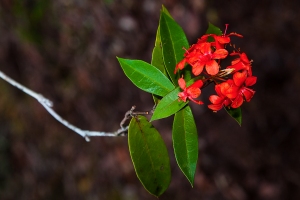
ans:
x=235 y=113
x=185 y=142
x=157 y=57
x=146 y=77
x=168 y=105
x=173 y=40
x=149 y=156
x=157 y=61
x=164 y=10
x=212 y=29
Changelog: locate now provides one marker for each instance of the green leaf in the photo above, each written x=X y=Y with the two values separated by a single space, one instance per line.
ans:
x=157 y=61
x=149 y=156
x=173 y=40
x=168 y=105
x=235 y=113
x=212 y=29
x=157 y=57
x=164 y=9
x=146 y=77
x=185 y=142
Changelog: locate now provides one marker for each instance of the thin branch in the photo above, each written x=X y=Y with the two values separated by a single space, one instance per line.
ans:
x=130 y=113
x=47 y=104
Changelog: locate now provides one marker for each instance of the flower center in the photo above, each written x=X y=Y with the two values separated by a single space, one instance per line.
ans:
x=206 y=57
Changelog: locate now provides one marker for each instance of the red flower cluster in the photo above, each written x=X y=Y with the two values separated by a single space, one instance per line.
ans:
x=233 y=92
x=208 y=55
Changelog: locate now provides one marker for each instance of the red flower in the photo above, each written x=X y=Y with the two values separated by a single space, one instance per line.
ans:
x=191 y=92
x=200 y=55
x=244 y=93
x=241 y=63
x=233 y=92
x=220 y=40
x=220 y=100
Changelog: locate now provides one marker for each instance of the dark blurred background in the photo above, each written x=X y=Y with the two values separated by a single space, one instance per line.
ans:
x=66 y=50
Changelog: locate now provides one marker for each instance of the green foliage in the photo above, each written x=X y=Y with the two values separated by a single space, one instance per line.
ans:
x=146 y=77
x=235 y=113
x=212 y=29
x=168 y=105
x=149 y=155
x=185 y=142
x=157 y=60
x=173 y=40
x=157 y=57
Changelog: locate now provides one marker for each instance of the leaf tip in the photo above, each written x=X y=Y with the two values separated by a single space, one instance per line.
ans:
x=236 y=114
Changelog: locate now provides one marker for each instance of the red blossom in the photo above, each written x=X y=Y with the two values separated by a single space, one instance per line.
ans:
x=241 y=63
x=207 y=55
x=201 y=55
x=191 y=92
x=220 y=100
x=220 y=40
x=244 y=93
x=233 y=92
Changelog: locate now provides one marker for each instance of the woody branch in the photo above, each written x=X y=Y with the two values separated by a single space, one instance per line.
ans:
x=47 y=104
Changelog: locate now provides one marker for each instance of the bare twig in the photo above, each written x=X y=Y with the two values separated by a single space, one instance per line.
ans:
x=131 y=113
x=47 y=104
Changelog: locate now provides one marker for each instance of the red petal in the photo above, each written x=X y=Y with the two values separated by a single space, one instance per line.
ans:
x=225 y=86
x=227 y=102
x=220 y=54
x=193 y=92
x=239 y=78
x=215 y=107
x=182 y=96
x=238 y=101
x=181 y=83
x=197 y=84
x=197 y=68
x=195 y=101
x=249 y=69
x=205 y=48
x=244 y=58
x=203 y=38
x=222 y=39
x=193 y=57
x=251 y=80
x=237 y=66
x=218 y=90
x=230 y=90
x=235 y=61
x=248 y=93
x=212 y=67
x=180 y=65
x=214 y=99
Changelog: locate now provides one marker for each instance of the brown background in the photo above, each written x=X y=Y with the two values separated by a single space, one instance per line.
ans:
x=66 y=50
